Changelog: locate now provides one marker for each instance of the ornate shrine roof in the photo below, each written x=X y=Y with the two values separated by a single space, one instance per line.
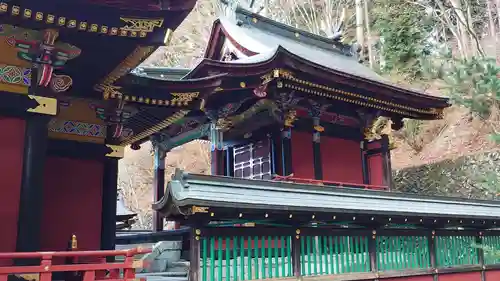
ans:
x=257 y=41
x=249 y=53
x=113 y=36
x=226 y=198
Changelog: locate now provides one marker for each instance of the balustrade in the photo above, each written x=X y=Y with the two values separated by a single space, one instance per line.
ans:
x=256 y=253
x=87 y=265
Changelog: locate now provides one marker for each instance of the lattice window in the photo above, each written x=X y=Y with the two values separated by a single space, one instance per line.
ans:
x=253 y=161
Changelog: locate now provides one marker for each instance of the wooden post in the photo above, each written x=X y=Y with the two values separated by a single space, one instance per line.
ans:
x=229 y=171
x=318 y=168
x=216 y=148
x=432 y=254
x=108 y=205
x=158 y=180
x=31 y=197
x=364 y=162
x=386 y=164
x=274 y=157
x=195 y=255
x=296 y=254
x=286 y=152
x=480 y=254
x=372 y=250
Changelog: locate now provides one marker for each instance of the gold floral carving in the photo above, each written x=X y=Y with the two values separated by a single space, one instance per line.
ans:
x=378 y=127
x=290 y=117
x=110 y=92
x=60 y=83
x=224 y=124
x=183 y=98
x=267 y=78
x=141 y=25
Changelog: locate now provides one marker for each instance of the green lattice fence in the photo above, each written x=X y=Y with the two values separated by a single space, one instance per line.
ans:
x=456 y=250
x=402 y=252
x=245 y=257
x=491 y=246
x=231 y=256
x=334 y=255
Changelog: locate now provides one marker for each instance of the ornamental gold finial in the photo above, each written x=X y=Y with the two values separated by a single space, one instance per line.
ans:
x=74 y=242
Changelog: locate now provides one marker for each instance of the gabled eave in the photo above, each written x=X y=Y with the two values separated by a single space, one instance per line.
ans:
x=191 y=195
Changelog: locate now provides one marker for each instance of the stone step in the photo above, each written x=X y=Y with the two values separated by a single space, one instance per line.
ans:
x=162 y=274
x=178 y=266
x=180 y=263
x=155 y=278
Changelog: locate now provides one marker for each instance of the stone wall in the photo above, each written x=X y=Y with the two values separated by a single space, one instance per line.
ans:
x=473 y=176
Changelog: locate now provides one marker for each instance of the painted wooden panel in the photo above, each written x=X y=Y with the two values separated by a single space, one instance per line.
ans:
x=302 y=155
x=375 y=169
x=72 y=203
x=341 y=160
x=412 y=278
x=11 y=169
x=463 y=276
x=78 y=121
x=493 y=275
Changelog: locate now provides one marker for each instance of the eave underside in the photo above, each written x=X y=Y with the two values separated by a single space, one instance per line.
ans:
x=105 y=56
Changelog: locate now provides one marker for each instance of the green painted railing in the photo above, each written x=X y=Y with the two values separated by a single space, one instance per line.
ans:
x=456 y=250
x=246 y=257
x=333 y=255
x=491 y=246
x=238 y=258
x=402 y=252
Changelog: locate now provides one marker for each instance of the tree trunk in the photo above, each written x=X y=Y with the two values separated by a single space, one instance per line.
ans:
x=490 y=19
x=368 y=35
x=498 y=13
x=461 y=26
x=359 y=24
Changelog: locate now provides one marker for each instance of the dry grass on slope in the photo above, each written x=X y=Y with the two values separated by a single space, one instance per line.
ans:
x=456 y=135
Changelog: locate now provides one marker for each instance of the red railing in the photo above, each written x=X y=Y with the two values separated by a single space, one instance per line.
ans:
x=82 y=270
x=335 y=183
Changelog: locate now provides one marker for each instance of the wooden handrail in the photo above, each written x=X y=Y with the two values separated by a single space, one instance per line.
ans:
x=105 y=253
x=337 y=183
x=89 y=271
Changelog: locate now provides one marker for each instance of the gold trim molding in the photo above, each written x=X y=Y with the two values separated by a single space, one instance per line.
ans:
x=178 y=99
x=156 y=128
x=334 y=93
x=130 y=62
x=135 y=28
